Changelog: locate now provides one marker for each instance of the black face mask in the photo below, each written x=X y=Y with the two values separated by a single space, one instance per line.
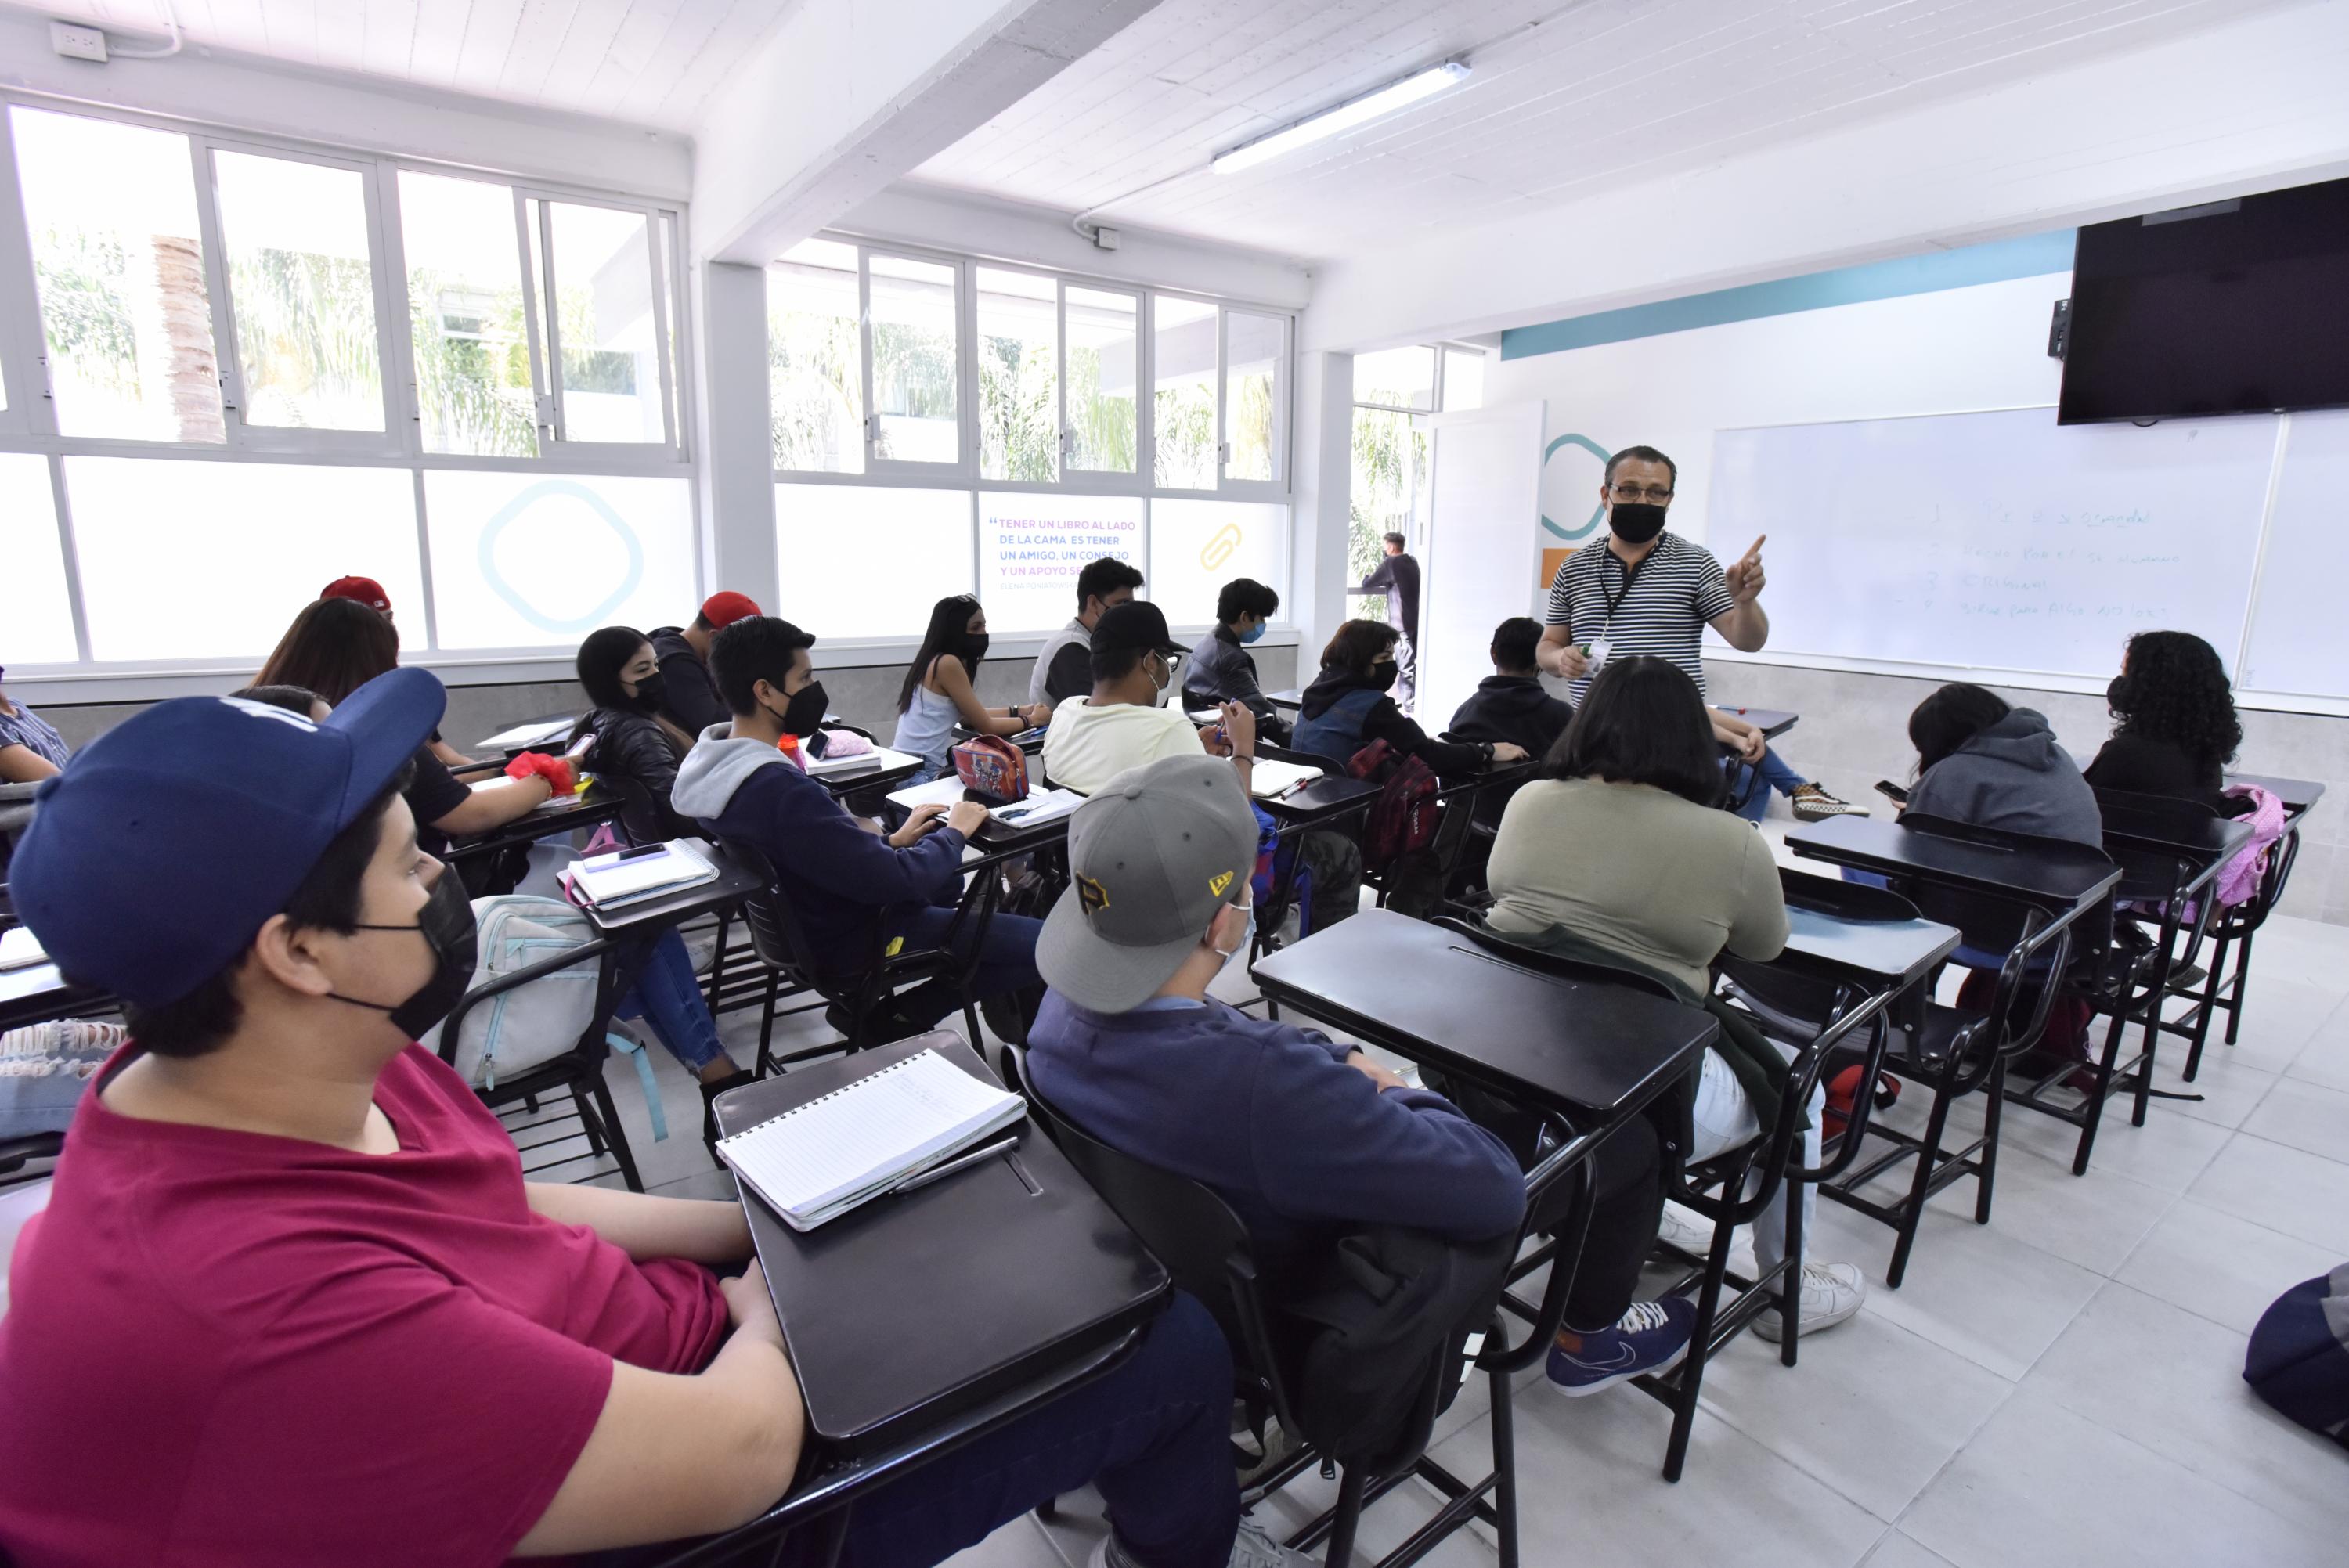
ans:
x=650 y=692
x=1382 y=677
x=2120 y=694
x=974 y=646
x=446 y=921
x=1635 y=521
x=804 y=715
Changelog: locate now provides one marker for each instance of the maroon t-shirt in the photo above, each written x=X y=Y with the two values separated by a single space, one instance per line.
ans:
x=223 y=1349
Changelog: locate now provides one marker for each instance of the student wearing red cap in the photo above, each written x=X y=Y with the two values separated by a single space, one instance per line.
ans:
x=690 y=699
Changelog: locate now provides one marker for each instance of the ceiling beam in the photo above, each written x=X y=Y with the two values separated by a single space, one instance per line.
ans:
x=845 y=96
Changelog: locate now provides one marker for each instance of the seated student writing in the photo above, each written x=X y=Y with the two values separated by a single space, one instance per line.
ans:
x=1124 y=724
x=2174 y=723
x=1622 y=845
x=1222 y=670
x=337 y=645
x=1303 y=1137
x=30 y=749
x=1347 y=708
x=293 y=1302
x=854 y=890
x=941 y=689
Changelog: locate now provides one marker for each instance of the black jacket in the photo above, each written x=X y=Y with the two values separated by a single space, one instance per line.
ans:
x=690 y=698
x=1222 y=670
x=1397 y=577
x=636 y=760
x=1389 y=723
x=1513 y=708
x=2146 y=766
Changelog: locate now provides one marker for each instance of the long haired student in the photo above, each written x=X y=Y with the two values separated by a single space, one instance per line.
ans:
x=2175 y=728
x=337 y=645
x=941 y=688
x=1622 y=846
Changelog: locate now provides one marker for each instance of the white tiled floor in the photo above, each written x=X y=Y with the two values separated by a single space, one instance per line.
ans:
x=2060 y=1387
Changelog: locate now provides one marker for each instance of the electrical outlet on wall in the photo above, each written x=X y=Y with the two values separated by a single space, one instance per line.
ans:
x=77 y=43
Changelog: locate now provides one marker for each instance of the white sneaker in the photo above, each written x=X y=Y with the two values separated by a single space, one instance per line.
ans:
x=1831 y=1293
x=1252 y=1548
x=1685 y=1228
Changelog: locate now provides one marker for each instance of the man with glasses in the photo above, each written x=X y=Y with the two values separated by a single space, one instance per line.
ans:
x=1650 y=591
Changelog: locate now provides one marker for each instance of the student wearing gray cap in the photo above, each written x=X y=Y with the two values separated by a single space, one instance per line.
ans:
x=1304 y=1136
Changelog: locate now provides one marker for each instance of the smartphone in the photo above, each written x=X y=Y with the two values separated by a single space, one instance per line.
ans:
x=641 y=851
x=1892 y=792
x=581 y=746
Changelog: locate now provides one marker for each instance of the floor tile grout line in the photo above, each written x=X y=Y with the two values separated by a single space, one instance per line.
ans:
x=1955 y=1455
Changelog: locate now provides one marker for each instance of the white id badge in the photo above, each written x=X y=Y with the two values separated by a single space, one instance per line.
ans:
x=1597 y=654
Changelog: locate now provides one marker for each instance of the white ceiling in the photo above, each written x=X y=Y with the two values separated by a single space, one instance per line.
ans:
x=1564 y=99
x=647 y=62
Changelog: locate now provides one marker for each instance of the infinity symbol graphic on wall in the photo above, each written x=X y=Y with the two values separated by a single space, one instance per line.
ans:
x=549 y=489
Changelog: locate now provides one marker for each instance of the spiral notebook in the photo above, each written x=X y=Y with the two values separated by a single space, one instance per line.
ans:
x=818 y=1161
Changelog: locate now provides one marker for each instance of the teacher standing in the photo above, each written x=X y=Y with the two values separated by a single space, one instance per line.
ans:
x=1651 y=592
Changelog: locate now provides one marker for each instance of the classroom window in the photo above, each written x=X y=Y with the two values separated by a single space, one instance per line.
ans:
x=1103 y=378
x=601 y=319
x=912 y=305
x=532 y=560
x=40 y=612
x=194 y=559
x=1018 y=376
x=465 y=323
x=1387 y=493
x=301 y=284
x=198 y=287
x=1256 y=394
x=815 y=400
x=1197 y=546
x=1182 y=343
x=1031 y=547
x=1463 y=379
x=858 y=561
x=1396 y=379
x=120 y=266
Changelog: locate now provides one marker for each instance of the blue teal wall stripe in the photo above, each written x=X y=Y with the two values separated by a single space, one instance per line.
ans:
x=2029 y=256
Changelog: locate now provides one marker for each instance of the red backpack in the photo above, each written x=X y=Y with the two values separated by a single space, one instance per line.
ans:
x=1404 y=817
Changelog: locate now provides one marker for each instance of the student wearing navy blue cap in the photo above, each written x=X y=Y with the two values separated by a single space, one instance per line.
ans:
x=292 y=1301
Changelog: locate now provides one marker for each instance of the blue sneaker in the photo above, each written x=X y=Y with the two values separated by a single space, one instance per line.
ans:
x=1650 y=1337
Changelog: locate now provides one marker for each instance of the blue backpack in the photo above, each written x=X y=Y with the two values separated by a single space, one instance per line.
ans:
x=1335 y=732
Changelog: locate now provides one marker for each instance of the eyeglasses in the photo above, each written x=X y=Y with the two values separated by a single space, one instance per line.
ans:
x=1644 y=492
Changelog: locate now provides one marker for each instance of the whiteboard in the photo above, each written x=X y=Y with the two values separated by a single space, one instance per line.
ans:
x=1998 y=541
x=2300 y=638
x=1483 y=547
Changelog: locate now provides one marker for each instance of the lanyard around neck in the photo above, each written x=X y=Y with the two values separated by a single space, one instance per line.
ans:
x=1629 y=573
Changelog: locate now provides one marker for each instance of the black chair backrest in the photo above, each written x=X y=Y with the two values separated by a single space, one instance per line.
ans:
x=776 y=934
x=1997 y=925
x=1558 y=964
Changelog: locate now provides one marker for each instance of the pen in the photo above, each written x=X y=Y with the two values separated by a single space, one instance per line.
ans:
x=922 y=1179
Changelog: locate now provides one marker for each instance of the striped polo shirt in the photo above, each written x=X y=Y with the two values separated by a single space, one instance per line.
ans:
x=1661 y=608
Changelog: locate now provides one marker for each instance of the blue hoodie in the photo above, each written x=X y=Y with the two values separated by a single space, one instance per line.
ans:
x=843 y=881
x=1302 y=1147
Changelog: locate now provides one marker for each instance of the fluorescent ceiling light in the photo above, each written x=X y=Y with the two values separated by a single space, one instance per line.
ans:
x=1345 y=117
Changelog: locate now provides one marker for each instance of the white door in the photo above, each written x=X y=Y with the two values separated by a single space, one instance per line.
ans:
x=1482 y=556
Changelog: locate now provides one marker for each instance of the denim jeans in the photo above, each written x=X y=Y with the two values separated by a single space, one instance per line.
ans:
x=669 y=998
x=1007 y=959
x=1724 y=1119
x=1774 y=773
x=1153 y=1437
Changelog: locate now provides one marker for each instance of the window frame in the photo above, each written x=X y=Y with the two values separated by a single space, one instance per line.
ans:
x=28 y=424
x=966 y=377
x=1110 y=481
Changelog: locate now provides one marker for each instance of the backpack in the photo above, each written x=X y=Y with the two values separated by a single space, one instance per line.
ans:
x=533 y=1023
x=1388 y=1325
x=2298 y=1359
x=1404 y=817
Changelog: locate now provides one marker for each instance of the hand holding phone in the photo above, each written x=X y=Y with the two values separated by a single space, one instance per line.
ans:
x=1892 y=792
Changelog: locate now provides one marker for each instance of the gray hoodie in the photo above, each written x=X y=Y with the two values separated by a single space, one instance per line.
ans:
x=715 y=767
x=2013 y=776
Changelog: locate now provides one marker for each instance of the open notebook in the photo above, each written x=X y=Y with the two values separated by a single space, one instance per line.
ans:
x=818 y=1161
